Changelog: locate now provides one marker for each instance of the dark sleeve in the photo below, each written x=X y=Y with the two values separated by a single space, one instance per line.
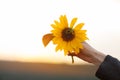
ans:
x=109 y=69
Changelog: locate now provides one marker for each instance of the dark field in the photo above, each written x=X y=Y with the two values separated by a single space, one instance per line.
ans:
x=42 y=71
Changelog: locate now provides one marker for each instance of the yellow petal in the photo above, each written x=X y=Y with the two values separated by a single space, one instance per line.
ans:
x=65 y=52
x=73 y=22
x=72 y=44
x=57 y=47
x=83 y=31
x=65 y=21
x=69 y=46
x=62 y=20
x=79 y=26
x=59 y=24
x=77 y=50
x=80 y=32
x=56 y=40
x=54 y=26
x=64 y=44
x=80 y=46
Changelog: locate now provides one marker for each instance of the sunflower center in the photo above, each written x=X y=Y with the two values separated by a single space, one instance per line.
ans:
x=68 y=34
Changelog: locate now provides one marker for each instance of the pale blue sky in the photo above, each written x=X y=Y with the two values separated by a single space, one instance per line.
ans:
x=24 y=22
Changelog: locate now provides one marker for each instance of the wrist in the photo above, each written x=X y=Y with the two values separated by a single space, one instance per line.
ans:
x=98 y=58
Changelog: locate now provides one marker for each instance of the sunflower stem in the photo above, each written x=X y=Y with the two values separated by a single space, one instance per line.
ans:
x=72 y=59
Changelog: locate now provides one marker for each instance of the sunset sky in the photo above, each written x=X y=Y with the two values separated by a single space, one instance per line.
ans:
x=24 y=22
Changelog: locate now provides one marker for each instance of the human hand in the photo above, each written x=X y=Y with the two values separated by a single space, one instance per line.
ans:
x=89 y=54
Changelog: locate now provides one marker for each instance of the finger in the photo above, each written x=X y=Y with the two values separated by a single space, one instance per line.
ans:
x=72 y=54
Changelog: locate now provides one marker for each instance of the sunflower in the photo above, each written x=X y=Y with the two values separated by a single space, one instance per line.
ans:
x=68 y=37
